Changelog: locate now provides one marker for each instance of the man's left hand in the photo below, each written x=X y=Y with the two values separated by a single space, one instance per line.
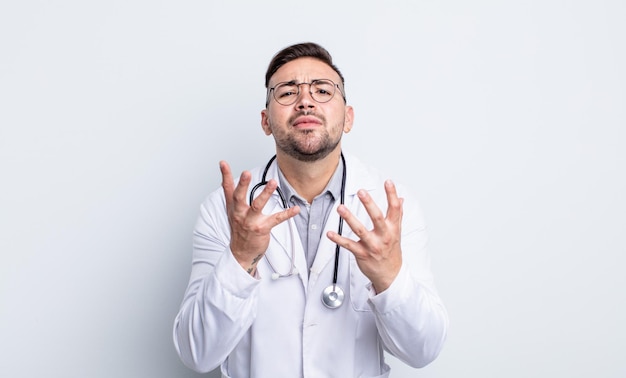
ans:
x=378 y=251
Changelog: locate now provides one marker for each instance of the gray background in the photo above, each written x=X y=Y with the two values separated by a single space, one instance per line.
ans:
x=507 y=119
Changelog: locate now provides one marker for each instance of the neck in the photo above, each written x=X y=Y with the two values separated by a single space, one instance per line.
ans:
x=308 y=178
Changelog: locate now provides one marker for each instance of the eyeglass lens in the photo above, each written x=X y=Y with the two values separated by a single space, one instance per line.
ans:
x=320 y=90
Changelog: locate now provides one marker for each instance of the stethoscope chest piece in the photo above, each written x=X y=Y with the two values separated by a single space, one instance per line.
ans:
x=332 y=297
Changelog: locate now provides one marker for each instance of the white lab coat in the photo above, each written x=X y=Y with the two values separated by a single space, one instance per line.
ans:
x=259 y=327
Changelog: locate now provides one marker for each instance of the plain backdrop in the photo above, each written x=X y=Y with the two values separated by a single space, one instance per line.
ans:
x=507 y=119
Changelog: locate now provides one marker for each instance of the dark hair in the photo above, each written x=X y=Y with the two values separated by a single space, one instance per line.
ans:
x=300 y=50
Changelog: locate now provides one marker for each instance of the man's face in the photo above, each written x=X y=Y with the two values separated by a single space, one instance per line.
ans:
x=306 y=130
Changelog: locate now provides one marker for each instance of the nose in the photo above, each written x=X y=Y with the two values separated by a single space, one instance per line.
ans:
x=305 y=100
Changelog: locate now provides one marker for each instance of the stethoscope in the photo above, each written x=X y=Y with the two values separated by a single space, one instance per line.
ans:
x=332 y=296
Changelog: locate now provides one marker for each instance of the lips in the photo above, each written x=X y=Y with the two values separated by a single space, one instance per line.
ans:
x=305 y=121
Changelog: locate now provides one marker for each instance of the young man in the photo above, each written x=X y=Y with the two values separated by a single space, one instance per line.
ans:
x=320 y=267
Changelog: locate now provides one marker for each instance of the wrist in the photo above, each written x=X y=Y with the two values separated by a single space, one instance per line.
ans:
x=248 y=263
x=383 y=283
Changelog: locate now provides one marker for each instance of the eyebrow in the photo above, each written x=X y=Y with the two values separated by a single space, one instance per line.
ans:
x=291 y=82
x=296 y=82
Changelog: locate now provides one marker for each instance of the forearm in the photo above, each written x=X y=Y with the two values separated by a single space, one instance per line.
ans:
x=410 y=316
x=411 y=320
x=218 y=309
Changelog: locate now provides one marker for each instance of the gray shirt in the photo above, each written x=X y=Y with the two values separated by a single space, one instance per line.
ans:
x=312 y=218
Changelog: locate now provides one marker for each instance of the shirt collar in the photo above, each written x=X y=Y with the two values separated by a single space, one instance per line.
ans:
x=333 y=187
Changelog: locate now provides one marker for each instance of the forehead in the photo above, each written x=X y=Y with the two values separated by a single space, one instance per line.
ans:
x=304 y=70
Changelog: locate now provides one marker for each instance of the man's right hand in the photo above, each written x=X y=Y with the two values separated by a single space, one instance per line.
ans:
x=249 y=227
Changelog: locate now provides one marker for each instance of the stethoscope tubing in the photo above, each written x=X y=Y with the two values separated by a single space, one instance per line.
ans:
x=332 y=297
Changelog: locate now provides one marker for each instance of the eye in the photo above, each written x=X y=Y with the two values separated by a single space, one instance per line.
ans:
x=285 y=91
x=323 y=88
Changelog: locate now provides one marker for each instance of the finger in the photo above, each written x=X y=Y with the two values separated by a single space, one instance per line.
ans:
x=373 y=210
x=260 y=201
x=355 y=224
x=355 y=247
x=394 y=203
x=227 y=177
x=228 y=185
x=284 y=215
x=239 y=194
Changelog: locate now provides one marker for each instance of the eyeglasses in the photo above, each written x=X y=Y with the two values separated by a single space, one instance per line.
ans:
x=322 y=90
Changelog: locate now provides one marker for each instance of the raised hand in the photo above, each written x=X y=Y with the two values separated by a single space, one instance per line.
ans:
x=250 y=228
x=378 y=251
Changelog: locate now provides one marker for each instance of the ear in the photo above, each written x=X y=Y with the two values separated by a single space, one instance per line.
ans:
x=348 y=119
x=265 y=122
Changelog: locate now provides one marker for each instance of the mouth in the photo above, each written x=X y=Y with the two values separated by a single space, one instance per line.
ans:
x=306 y=122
